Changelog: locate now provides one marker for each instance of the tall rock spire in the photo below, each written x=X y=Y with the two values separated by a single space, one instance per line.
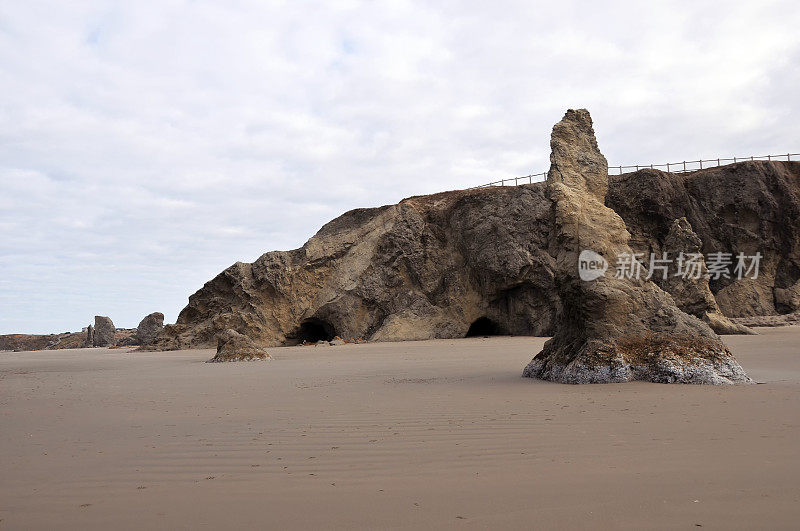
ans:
x=612 y=329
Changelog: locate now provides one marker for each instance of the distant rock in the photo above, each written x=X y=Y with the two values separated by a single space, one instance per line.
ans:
x=233 y=346
x=149 y=328
x=127 y=341
x=612 y=328
x=769 y=320
x=89 y=336
x=23 y=342
x=103 y=332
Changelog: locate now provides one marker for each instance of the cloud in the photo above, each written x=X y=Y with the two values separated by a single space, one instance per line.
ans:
x=146 y=146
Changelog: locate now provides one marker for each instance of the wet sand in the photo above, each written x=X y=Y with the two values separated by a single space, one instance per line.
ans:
x=431 y=434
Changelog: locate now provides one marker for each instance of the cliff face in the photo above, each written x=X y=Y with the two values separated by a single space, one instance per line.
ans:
x=428 y=267
x=437 y=266
x=747 y=207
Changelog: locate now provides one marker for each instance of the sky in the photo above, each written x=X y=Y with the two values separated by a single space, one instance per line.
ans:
x=146 y=146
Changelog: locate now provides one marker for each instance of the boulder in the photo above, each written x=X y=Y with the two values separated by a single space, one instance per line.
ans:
x=233 y=346
x=149 y=328
x=612 y=327
x=103 y=332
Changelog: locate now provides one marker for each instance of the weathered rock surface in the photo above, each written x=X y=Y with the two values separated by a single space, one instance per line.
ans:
x=103 y=332
x=482 y=261
x=428 y=267
x=149 y=328
x=769 y=320
x=233 y=346
x=613 y=328
x=746 y=207
x=689 y=288
x=24 y=342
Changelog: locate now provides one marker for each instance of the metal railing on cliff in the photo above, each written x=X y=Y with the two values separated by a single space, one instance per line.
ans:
x=670 y=167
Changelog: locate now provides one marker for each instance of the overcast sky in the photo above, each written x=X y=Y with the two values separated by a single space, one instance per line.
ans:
x=146 y=146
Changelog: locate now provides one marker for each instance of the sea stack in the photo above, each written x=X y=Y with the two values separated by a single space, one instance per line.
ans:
x=612 y=328
x=103 y=332
x=149 y=328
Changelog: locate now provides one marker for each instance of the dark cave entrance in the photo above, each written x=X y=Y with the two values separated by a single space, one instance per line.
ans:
x=313 y=330
x=485 y=327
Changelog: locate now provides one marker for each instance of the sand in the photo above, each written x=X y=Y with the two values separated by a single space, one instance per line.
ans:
x=431 y=434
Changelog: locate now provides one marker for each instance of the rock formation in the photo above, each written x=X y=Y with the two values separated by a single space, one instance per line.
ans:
x=428 y=267
x=233 y=346
x=746 y=207
x=612 y=328
x=690 y=288
x=103 y=332
x=479 y=261
x=89 y=336
x=149 y=328
x=787 y=319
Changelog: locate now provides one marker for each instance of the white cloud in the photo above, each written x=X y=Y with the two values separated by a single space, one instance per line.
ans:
x=146 y=146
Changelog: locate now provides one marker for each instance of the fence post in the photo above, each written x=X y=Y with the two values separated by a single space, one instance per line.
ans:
x=701 y=164
x=734 y=160
x=769 y=157
x=667 y=167
x=684 y=165
x=717 y=162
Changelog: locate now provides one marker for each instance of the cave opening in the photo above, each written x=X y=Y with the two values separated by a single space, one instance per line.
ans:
x=313 y=330
x=484 y=326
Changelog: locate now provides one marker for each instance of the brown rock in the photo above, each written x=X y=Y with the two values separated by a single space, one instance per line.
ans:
x=746 y=207
x=691 y=291
x=479 y=261
x=149 y=328
x=103 y=332
x=233 y=346
x=612 y=329
x=428 y=267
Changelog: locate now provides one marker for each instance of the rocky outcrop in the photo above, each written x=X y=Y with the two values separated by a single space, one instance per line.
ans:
x=149 y=328
x=104 y=330
x=65 y=340
x=428 y=267
x=612 y=328
x=685 y=277
x=788 y=319
x=25 y=342
x=482 y=261
x=233 y=346
x=748 y=207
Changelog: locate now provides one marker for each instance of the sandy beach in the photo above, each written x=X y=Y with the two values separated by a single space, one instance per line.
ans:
x=429 y=434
